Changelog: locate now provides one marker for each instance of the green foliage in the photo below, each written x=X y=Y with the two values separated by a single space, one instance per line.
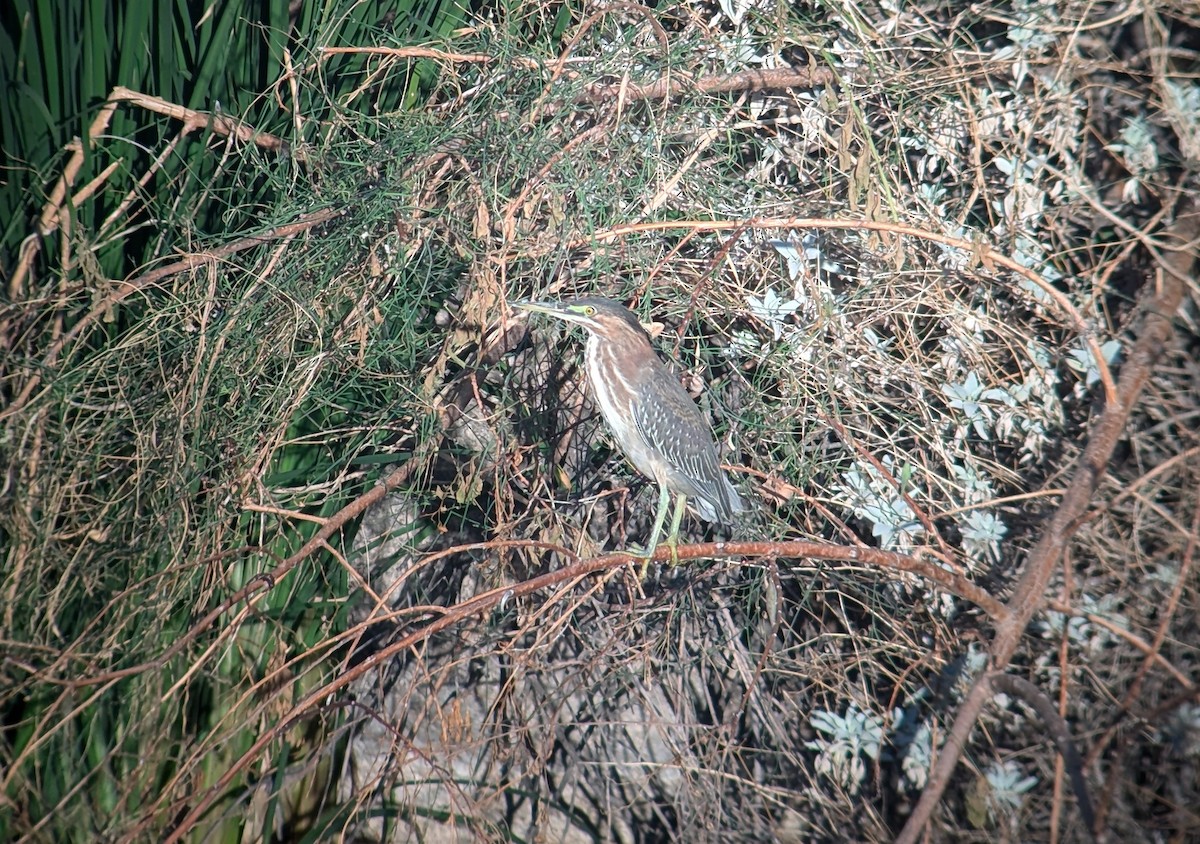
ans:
x=59 y=62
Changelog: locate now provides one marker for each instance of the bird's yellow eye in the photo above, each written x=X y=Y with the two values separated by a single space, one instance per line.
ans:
x=589 y=311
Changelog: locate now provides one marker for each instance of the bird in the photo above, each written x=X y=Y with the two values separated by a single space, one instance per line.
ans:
x=655 y=422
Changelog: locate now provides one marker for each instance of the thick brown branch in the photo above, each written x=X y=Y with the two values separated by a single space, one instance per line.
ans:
x=673 y=86
x=485 y=601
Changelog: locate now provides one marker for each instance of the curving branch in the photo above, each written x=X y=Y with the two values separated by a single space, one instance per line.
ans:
x=1158 y=311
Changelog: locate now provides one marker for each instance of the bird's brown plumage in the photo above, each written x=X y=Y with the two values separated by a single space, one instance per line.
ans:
x=654 y=420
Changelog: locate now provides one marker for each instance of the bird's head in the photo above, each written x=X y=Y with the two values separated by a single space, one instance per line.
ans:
x=603 y=317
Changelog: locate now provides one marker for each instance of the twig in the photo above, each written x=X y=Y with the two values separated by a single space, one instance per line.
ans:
x=1057 y=727
x=51 y=217
x=222 y=124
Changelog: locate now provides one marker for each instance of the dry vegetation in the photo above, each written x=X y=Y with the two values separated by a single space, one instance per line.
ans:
x=317 y=527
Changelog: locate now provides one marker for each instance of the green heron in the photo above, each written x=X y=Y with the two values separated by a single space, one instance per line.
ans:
x=656 y=423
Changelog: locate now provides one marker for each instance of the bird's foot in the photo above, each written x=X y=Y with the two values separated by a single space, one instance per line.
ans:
x=646 y=556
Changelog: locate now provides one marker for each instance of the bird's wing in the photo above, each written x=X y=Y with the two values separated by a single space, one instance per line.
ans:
x=672 y=426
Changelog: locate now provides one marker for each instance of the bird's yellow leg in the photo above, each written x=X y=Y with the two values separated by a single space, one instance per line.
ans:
x=664 y=498
x=673 y=536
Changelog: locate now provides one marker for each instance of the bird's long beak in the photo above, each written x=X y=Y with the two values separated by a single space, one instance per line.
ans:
x=535 y=307
x=554 y=309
